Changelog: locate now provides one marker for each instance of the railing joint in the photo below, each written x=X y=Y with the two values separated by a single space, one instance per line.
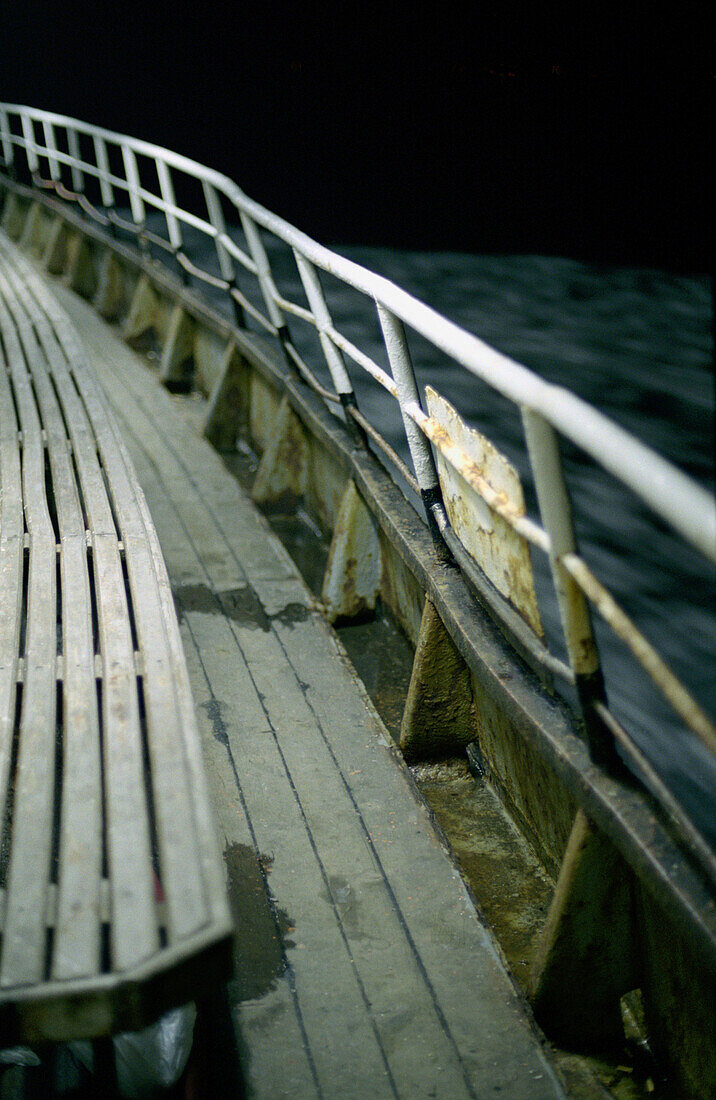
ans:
x=239 y=314
x=356 y=432
x=438 y=522
x=284 y=338
x=177 y=254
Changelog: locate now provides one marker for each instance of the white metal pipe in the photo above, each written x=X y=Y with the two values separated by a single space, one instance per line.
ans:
x=30 y=148
x=263 y=269
x=73 y=146
x=238 y=253
x=369 y=366
x=168 y=198
x=8 y=149
x=103 y=172
x=51 y=149
x=556 y=511
x=132 y=172
x=672 y=689
x=295 y=310
x=396 y=346
x=319 y=309
x=216 y=217
x=683 y=504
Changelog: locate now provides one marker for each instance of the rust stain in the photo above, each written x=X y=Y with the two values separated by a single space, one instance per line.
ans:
x=483 y=496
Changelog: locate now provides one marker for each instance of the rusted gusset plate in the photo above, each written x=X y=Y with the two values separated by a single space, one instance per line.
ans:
x=502 y=553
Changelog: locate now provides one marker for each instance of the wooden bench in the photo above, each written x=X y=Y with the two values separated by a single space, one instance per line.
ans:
x=112 y=902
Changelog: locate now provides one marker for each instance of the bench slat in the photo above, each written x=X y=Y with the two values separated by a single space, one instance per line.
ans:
x=134 y=932
x=77 y=942
x=179 y=850
x=12 y=534
x=181 y=868
x=180 y=861
x=212 y=867
x=78 y=920
x=25 y=939
x=123 y=793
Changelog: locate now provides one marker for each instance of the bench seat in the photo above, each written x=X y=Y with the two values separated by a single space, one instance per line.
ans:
x=112 y=893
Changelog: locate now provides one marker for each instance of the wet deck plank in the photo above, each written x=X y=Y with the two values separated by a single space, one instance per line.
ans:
x=388 y=983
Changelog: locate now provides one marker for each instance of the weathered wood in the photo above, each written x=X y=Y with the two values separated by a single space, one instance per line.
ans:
x=141 y=320
x=439 y=716
x=109 y=297
x=228 y=404
x=12 y=531
x=584 y=960
x=181 y=876
x=85 y=515
x=77 y=925
x=283 y=470
x=55 y=255
x=178 y=851
x=177 y=362
x=31 y=227
x=502 y=554
x=13 y=217
x=351 y=583
x=353 y=861
x=23 y=948
x=80 y=271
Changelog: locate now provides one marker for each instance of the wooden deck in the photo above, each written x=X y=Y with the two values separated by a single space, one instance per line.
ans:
x=363 y=968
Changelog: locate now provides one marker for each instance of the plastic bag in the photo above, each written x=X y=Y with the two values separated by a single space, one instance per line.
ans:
x=151 y=1060
x=154 y=1058
x=19 y=1056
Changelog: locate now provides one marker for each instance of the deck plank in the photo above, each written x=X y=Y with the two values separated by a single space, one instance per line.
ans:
x=335 y=844
x=339 y=1028
x=271 y=1022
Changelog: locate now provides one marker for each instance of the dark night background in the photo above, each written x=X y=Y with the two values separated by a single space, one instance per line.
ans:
x=580 y=132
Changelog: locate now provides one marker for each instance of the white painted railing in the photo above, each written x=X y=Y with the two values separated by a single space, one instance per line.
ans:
x=56 y=149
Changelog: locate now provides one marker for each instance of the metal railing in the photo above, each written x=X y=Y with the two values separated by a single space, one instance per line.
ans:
x=63 y=153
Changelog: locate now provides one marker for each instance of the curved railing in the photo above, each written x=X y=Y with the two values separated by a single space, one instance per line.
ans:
x=64 y=153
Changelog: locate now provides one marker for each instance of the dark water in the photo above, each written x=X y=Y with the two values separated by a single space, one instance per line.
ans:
x=638 y=345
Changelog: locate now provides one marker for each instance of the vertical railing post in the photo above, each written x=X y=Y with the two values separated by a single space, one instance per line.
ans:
x=48 y=131
x=396 y=345
x=334 y=360
x=30 y=144
x=266 y=283
x=166 y=188
x=8 y=149
x=136 y=202
x=105 y=187
x=556 y=512
x=73 y=147
x=226 y=263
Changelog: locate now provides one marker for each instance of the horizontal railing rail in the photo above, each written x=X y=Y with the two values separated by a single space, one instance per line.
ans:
x=50 y=148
